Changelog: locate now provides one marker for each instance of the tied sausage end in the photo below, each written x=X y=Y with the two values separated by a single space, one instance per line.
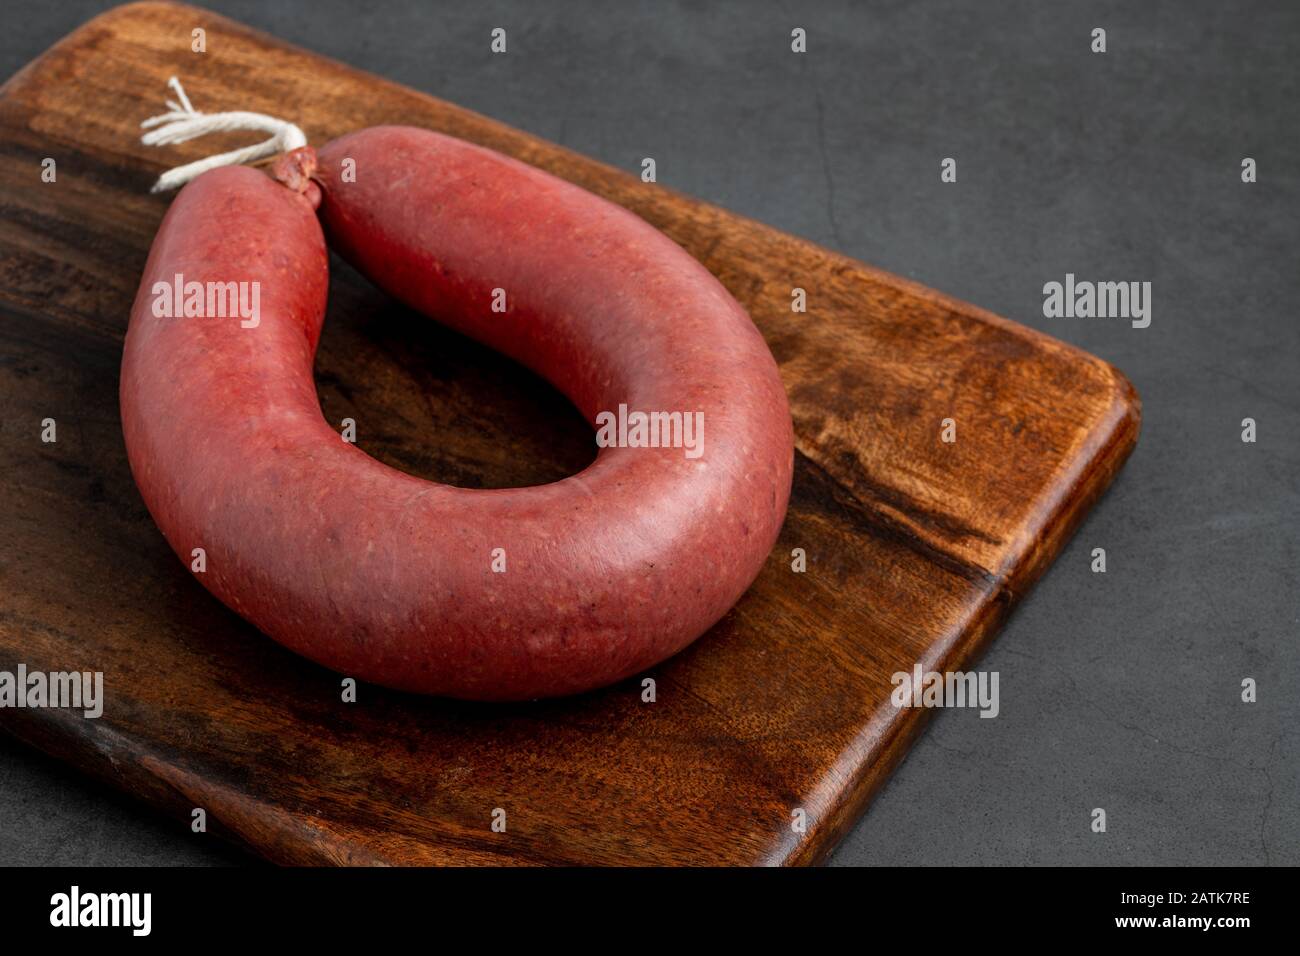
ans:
x=295 y=171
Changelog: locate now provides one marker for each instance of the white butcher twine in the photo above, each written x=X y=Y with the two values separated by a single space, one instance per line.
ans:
x=184 y=123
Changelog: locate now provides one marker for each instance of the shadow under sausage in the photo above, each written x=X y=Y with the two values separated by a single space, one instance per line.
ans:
x=432 y=403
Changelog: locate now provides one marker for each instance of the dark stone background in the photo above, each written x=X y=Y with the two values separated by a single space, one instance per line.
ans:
x=1120 y=690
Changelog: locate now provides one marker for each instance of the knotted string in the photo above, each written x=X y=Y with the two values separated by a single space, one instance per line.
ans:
x=183 y=122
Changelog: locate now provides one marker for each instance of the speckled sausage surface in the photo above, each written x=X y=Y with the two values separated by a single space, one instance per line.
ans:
x=396 y=580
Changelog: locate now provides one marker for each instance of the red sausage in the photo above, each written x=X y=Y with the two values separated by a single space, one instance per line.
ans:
x=396 y=580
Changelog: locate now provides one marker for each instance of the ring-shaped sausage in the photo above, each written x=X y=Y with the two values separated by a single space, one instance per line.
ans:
x=483 y=594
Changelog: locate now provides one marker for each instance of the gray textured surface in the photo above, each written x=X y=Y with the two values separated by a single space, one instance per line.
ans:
x=1121 y=690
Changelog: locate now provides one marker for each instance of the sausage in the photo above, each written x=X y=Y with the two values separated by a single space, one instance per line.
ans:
x=502 y=594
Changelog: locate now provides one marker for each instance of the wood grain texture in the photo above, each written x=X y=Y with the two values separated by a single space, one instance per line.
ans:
x=917 y=549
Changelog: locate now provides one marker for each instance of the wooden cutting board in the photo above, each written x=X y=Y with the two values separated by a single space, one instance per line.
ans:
x=916 y=549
